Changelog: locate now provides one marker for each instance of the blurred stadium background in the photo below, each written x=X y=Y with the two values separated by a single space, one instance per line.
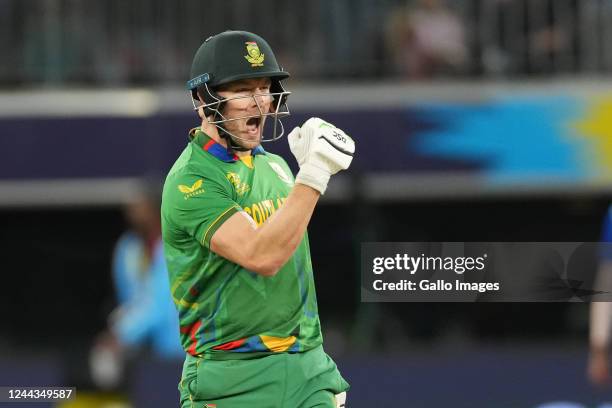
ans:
x=475 y=120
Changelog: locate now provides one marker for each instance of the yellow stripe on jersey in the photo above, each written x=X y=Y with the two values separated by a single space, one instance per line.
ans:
x=247 y=160
x=178 y=301
x=184 y=303
x=212 y=224
x=278 y=344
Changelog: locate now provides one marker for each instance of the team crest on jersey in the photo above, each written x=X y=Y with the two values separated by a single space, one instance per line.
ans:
x=281 y=173
x=193 y=190
x=239 y=186
x=255 y=57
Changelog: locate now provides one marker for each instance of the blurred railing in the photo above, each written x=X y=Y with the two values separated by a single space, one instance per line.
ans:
x=117 y=43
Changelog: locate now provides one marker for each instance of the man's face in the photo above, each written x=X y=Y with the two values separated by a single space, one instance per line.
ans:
x=253 y=100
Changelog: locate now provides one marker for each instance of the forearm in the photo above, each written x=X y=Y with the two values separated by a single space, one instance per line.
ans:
x=600 y=325
x=321 y=150
x=277 y=239
x=601 y=312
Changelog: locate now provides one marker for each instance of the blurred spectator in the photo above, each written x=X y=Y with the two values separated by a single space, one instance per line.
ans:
x=601 y=314
x=146 y=314
x=548 y=42
x=549 y=38
x=426 y=40
x=116 y=43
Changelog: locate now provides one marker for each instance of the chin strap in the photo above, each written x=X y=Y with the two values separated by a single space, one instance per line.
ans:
x=232 y=146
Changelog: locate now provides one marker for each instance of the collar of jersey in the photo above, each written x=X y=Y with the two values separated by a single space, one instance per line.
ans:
x=202 y=139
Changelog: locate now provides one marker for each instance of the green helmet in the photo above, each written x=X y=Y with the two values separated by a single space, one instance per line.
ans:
x=231 y=56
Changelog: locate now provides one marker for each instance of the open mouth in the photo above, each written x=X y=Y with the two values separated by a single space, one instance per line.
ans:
x=253 y=125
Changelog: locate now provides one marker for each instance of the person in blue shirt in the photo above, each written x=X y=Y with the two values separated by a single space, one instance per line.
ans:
x=146 y=312
x=601 y=313
x=145 y=316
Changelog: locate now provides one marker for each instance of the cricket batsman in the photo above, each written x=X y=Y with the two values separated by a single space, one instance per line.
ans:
x=234 y=229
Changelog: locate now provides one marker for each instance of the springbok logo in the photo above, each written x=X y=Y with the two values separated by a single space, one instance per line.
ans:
x=255 y=57
x=195 y=189
x=240 y=187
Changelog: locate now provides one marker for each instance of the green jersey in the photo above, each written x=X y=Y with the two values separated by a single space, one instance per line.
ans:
x=225 y=310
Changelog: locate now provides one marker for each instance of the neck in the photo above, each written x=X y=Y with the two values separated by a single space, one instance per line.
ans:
x=242 y=153
x=212 y=132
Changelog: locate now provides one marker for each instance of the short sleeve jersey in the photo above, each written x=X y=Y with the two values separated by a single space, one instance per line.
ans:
x=225 y=310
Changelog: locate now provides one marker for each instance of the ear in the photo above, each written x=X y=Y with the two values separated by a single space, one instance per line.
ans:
x=201 y=113
x=201 y=108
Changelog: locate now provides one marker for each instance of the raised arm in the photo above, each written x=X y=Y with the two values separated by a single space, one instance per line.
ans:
x=601 y=312
x=266 y=249
x=321 y=151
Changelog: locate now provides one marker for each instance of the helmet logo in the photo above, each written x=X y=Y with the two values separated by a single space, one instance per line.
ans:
x=255 y=56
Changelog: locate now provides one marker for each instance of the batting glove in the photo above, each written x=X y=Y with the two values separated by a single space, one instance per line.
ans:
x=321 y=150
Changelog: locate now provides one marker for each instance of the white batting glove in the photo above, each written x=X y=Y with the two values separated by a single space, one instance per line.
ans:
x=321 y=149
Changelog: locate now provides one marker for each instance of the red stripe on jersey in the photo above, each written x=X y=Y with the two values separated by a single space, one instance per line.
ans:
x=230 y=345
x=209 y=145
x=187 y=329
x=194 y=341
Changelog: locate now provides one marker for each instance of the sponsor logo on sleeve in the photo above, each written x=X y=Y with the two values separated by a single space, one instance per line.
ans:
x=193 y=190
